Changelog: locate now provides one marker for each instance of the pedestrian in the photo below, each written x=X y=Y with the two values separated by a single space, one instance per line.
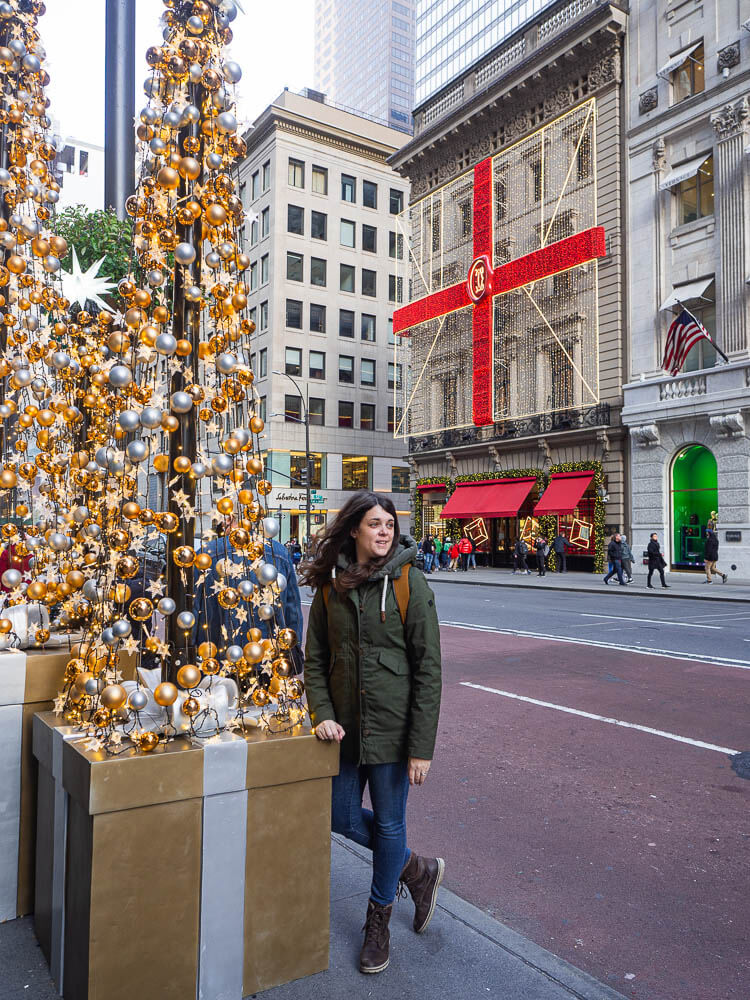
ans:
x=473 y=555
x=627 y=559
x=655 y=561
x=445 y=555
x=614 y=554
x=438 y=551
x=542 y=551
x=711 y=557
x=464 y=547
x=221 y=622
x=428 y=548
x=520 y=551
x=455 y=557
x=373 y=681
x=559 y=544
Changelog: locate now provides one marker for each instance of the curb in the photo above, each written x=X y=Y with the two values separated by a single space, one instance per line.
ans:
x=580 y=985
x=432 y=579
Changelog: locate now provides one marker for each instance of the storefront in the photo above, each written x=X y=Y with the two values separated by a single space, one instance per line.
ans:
x=496 y=512
x=290 y=506
x=695 y=502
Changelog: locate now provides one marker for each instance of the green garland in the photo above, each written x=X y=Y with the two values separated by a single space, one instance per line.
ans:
x=547 y=522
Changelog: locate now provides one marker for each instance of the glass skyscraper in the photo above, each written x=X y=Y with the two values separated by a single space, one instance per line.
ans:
x=454 y=34
x=364 y=57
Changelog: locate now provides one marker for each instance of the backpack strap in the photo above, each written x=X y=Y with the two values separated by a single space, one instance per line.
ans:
x=401 y=590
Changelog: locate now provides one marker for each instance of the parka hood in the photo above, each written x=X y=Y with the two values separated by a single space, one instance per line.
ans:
x=406 y=552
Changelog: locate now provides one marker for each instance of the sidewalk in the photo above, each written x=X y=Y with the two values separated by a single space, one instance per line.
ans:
x=464 y=954
x=685 y=585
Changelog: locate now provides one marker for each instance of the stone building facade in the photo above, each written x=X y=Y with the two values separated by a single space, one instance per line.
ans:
x=688 y=143
x=568 y=59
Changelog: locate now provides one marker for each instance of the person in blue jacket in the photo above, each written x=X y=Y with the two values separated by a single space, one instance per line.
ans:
x=209 y=612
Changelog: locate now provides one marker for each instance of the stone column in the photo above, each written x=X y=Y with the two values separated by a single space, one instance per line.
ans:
x=730 y=184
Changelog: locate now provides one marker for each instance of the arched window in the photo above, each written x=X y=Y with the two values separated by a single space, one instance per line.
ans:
x=694 y=500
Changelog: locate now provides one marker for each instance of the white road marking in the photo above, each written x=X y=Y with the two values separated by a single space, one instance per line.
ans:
x=668 y=654
x=602 y=718
x=651 y=621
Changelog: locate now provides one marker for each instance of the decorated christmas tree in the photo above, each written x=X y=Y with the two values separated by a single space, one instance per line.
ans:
x=144 y=423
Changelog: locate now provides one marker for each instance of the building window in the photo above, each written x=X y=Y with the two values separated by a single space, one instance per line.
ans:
x=253 y=232
x=317 y=364
x=293 y=360
x=266 y=175
x=369 y=283
x=253 y=275
x=399 y=479
x=584 y=157
x=317 y=411
x=394 y=418
x=346 y=278
x=262 y=408
x=263 y=363
x=396 y=245
x=264 y=269
x=394 y=375
x=255 y=185
x=264 y=316
x=346 y=369
x=467 y=218
x=295 y=220
x=346 y=323
x=695 y=196
x=536 y=179
x=83 y=163
x=355 y=472
x=703 y=354
x=319 y=180
x=348 y=188
x=396 y=202
x=347 y=233
x=369 y=194
x=297 y=469
x=367 y=372
x=294 y=314
x=346 y=414
x=395 y=288
x=367 y=417
x=265 y=222
x=501 y=194
x=296 y=173
x=317 y=318
x=391 y=334
x=319 y=225
x=293 y=409
x=690 y=78
x=368 y=328
x=318 y=271
x=294 y=266
x=370 y=239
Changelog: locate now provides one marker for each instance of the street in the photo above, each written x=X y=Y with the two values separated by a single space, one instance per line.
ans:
x=622 y=850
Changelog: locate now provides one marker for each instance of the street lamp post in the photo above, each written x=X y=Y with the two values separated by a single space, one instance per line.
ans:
x=306 y=422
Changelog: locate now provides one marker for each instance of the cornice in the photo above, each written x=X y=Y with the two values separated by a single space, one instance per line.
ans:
x=281 y=122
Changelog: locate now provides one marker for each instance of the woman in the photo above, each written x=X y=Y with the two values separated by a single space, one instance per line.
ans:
x=373 y=685
x=655 y=561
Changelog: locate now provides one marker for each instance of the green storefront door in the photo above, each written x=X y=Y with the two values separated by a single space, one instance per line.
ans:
x=694 y=499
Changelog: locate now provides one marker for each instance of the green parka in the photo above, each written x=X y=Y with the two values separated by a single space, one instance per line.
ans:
x=380 y=680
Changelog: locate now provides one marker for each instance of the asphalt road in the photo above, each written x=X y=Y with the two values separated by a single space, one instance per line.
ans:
x=711 y=630
x=582 y=790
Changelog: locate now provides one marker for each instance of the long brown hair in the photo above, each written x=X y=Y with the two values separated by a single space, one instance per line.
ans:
x=337 y=539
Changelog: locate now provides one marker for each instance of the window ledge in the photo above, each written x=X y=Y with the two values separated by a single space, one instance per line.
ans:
x=705 y=225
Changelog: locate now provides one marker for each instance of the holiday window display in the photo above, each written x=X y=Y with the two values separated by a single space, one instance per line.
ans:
x=137 y=426
x=503 y=269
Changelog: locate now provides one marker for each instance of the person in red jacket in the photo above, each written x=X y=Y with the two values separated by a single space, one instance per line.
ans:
x=464 y=547
x=455 y=556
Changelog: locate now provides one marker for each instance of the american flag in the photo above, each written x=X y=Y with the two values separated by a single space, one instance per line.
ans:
x=684 y=334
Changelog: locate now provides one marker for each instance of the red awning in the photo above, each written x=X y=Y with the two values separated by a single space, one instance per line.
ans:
x=489 y=498
x=432 y=487
x=563 y=493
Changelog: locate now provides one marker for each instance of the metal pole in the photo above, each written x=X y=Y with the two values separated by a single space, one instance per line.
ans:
x=119 y=105
x=307 y=466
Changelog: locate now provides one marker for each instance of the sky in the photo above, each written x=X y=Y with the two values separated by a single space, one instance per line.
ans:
x=272 y=57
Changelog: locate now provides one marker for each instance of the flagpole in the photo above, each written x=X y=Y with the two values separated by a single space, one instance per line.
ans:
x=696 y=320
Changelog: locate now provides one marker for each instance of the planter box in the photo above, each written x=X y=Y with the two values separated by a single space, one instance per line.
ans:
x=197 y=871
x=29 y=683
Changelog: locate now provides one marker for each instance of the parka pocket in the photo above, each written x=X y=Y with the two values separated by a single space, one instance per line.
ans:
x=393 y=661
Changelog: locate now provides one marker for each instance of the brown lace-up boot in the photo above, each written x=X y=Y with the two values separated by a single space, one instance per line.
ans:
x=422 y=877
x=374 y=956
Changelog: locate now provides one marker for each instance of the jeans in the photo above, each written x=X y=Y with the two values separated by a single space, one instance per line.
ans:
x=382 y=830
x=472 y=561
x=615 y=567
x=562 y=562
x=428 y=557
